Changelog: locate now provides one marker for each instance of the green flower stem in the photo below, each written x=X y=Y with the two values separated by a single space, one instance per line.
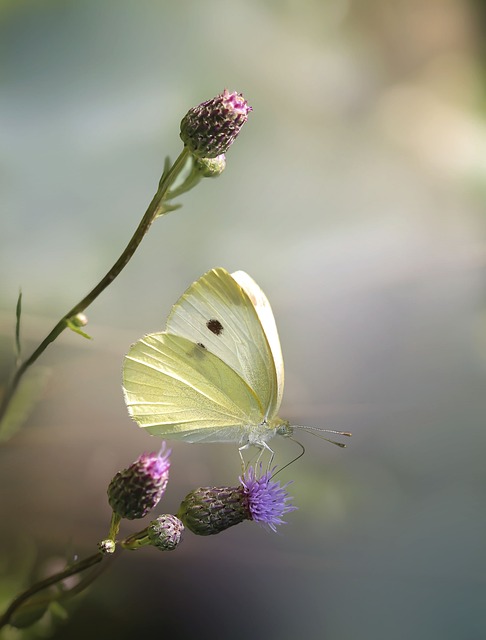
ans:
x=155 y=209
x=136 y=540
x=72 y=570
x=132 y=542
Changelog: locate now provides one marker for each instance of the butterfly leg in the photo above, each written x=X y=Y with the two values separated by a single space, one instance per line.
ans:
x=262 y=446
x=240 y=451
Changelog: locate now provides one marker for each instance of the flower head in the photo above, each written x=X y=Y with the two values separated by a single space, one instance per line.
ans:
x=210 y=510
x=137 y=489
x=209 y=129
x=267 y=500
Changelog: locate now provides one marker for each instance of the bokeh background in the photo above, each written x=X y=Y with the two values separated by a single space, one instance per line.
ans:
x=355 y=197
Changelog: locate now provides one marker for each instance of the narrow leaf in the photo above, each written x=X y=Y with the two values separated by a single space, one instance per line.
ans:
x=18 y=313
x=76 y=329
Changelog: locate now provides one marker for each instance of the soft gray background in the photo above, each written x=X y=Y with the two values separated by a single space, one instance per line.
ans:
x=354 y=197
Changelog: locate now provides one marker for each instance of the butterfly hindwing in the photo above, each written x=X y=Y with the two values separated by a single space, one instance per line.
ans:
x=178 y=389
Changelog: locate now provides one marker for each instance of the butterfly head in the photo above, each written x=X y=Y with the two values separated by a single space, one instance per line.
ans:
x=284 y=429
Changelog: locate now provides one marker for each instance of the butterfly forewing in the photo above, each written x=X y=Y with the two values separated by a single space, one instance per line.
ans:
x=178 y=389
x=216 y=313
x=266 y=317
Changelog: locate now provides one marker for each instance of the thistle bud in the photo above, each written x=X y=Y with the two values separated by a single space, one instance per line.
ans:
x=136 y=490
x=211 y=167
x=209 y=129
x=165 y=532
x=210 y=510
x=79 y=320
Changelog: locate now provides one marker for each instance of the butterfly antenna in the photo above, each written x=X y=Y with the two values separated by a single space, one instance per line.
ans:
x=311 y=430
x=294 y=459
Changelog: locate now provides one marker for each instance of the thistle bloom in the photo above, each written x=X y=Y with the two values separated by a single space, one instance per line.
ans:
x=210 y=510
x=209 y=129
x=267 y=500
x=136 y=490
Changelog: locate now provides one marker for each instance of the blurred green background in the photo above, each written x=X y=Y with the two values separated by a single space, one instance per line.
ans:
x=354 y=196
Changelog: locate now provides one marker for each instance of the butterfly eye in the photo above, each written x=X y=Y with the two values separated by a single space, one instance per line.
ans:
x=215 y=326
x=285 y=430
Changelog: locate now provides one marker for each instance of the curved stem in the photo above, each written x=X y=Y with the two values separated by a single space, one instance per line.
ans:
x=155 y=208
x=73 y=569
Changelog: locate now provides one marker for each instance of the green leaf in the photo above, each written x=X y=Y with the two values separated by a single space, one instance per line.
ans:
x=167 y=166
x=58 y=611
x=29 y=391
x=167 y=208
x=18 y=313
x=29 y=612
x=77 y=330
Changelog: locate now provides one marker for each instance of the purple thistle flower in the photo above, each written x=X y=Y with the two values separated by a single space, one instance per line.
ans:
x=210 y=510
x=267 y=500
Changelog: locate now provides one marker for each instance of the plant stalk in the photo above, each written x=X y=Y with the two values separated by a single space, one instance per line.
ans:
x=155 y=208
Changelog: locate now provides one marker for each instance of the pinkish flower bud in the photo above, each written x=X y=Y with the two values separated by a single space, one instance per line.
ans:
x=136 y=490
x=210 y=128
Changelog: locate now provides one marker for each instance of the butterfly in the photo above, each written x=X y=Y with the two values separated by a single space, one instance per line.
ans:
x=216 y=373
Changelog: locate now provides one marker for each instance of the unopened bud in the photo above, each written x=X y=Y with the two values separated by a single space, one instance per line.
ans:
x=165 y=532
x=136 y=490
x=209 y=129
x=211 y=167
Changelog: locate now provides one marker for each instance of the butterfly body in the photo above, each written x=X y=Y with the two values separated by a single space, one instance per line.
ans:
x=216 y=373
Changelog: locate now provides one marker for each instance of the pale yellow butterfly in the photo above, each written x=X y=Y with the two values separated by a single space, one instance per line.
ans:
x=216 y=373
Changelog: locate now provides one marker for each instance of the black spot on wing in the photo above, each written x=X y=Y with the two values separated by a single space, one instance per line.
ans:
x=215 y=326
x=197 y=351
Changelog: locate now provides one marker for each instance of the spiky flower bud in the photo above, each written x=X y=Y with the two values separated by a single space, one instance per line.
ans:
x=211 y=167
x=210 y=510
x=165 y=532
x=136 y=490
x=209 y=129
